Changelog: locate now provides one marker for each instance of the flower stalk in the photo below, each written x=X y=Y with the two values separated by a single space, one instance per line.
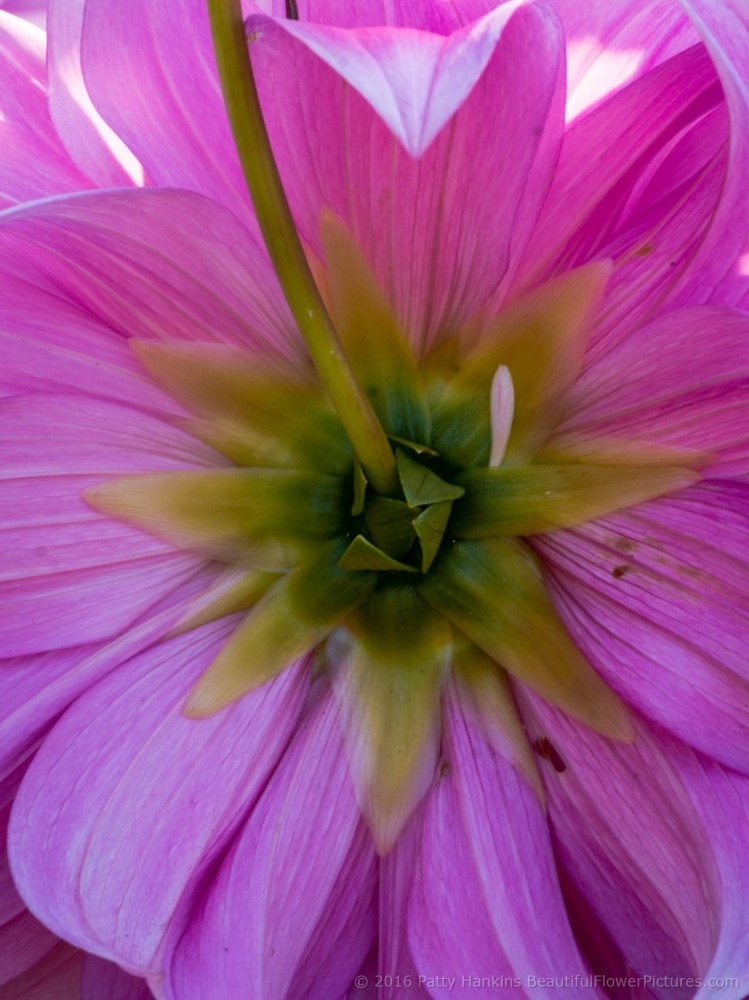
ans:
x=285 y=249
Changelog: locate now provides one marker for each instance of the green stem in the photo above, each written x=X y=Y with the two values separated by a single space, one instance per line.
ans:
x=285 y=249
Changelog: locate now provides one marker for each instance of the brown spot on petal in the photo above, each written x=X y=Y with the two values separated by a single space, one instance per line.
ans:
x=546 y=749
x=618 y=571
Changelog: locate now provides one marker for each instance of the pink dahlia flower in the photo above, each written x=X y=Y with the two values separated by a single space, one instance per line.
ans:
x=419 y=672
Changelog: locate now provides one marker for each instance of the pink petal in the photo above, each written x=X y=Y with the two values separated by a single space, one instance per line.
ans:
x=33 y=163
x=424 y=224
x=486 y=864
x=150 y=72
x=71 y=576
x=36 y=689
x=719 y=271
x=164 y=264
x=30 y=170
x=656 y=598
x=54 y=346
x=23 y=940
x=92 y=144
x=57 y=976
x=440 y=18
x=102 y=980
x=610 y=44
x=23 y=78
x=125 y=781
x=680 y=381
x=303 y=853
x=585 y=208
x=659 y=863
x=397 y=873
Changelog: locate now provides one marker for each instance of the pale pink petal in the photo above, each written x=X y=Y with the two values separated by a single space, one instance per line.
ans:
x=102 y=980
x=163 y=264
x=656 y=597
x=487 y=864
x=437 y=230
x=303 y=851
x=502 y=403
x=680 y=381
x=92 y=144
x=91 y=827
x=649 y=837
x=71 y=576
x=720 y=270
x=610 y=42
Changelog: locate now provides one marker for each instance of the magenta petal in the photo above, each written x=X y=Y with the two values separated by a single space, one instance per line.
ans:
x=30 y=170
x=197 y=778
x=23 y=78
x=51 y=345
x=440 y=18
x=424 y=224
x=397 y=875
x=628 y=131
x=36 y=689
x=23 y=940
x=681 y=381
x=57 y=976
x=150 y=72
x=720 y=270
x=59 y=555
x=610 y=44
x=656 y=597
x=102 y=980
x=487 y=861
x=303 y=853
x=92 y=144
x=163 y=264
x=659 y=864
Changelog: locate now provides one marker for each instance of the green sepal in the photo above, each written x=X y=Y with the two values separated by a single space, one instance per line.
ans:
x=420 y=485
x=293 y=616
x=377 y=348
x=363 y=555
x=360 y=489
x=430 y=527
x=420 y=449
x=540 y=338
x=528 y=500
x=257 y=414
x=493 y=590
x=259 y=518
x=387 y=665
x=390 y=523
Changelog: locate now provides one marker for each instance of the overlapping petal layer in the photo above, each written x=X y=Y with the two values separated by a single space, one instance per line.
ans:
x=128 y=740
x=421 y=223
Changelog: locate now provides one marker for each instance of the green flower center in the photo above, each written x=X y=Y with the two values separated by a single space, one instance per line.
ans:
x=423 y=574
